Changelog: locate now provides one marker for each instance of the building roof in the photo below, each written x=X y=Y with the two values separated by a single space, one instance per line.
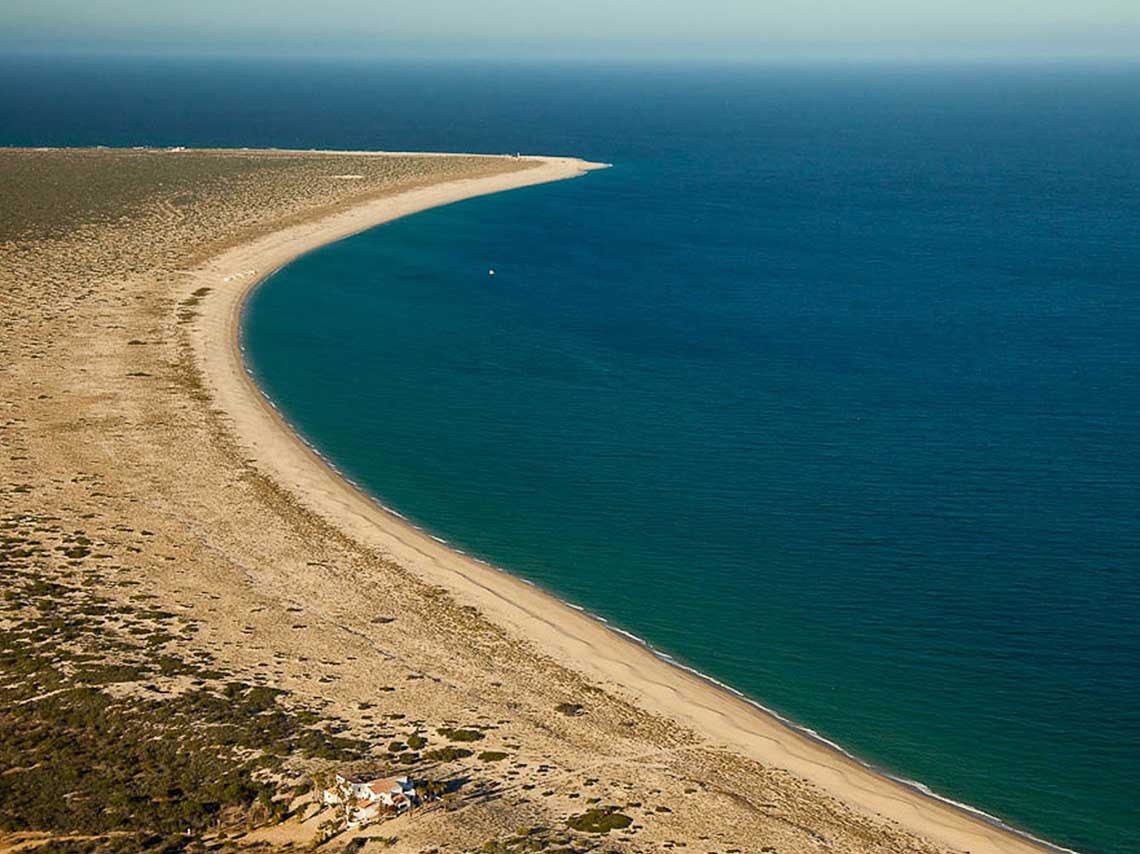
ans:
x=388 y=785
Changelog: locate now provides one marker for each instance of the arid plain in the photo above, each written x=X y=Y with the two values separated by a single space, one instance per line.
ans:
x=200 y=620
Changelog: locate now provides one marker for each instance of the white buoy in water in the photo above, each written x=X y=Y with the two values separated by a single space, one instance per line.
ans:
x=490 y=272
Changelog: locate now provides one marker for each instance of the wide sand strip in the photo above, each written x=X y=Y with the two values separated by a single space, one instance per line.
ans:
x=573 y=639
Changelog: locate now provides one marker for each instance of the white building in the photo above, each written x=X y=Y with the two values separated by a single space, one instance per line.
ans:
x=365 y=799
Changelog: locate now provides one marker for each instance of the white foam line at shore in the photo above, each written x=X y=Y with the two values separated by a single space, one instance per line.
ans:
x=811 y=734
x=630 y=635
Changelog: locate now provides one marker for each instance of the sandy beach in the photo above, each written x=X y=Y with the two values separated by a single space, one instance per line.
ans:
x=296 y=580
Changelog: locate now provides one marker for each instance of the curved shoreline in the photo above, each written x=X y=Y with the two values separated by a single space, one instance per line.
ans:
x=622 y=662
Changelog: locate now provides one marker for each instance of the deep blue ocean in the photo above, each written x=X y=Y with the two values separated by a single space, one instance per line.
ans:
x=829 y=388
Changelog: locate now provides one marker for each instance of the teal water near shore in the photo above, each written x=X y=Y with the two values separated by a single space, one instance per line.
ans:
x=828 y=389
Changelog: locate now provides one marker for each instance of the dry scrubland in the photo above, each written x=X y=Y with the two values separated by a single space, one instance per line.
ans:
x=184 y=648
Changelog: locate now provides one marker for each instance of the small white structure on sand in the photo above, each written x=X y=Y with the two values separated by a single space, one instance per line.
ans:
x=366 y=799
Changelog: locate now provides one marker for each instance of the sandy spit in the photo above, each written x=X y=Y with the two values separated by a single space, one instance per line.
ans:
x=570 y=637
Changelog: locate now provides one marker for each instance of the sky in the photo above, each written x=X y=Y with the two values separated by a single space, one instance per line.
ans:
x=737 y=30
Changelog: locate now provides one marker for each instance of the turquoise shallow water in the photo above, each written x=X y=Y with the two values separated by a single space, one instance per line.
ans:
x=828 y=388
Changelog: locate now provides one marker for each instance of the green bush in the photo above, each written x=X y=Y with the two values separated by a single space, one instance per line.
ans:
x=460 y=734
x=599 y=820
x=447 y=754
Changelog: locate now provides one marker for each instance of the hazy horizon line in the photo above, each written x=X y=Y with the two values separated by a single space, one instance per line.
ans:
x=853 y=56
